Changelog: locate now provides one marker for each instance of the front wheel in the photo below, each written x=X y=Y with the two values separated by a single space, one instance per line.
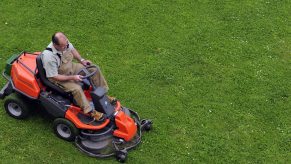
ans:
x=65 y=129
x=146 y=125
x=16 y=107
x=121 y=156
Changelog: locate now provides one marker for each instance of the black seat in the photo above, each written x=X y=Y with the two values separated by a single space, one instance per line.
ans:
x=46 y=82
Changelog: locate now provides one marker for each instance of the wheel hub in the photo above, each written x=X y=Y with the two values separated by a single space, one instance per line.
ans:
x=64 y=130
x=14 y=109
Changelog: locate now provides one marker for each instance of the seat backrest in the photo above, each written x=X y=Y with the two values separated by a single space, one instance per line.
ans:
x=45 y=81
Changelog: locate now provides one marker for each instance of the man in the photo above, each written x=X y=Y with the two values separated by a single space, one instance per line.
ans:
x=60 y=70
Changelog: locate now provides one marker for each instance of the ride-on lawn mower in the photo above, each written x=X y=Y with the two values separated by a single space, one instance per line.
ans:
x=115 y=135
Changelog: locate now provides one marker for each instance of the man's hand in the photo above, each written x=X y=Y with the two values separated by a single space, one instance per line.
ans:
x=86 y=62
x=77 y=77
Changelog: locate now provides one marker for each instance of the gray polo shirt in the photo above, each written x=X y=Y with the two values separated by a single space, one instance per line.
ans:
x=51 y=60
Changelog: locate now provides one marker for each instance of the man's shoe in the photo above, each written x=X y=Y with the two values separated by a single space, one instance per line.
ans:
x=112 y=100
x=102 y=118
x=98 y=116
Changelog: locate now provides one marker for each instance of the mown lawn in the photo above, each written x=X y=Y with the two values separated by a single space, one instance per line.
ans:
x=214 y=76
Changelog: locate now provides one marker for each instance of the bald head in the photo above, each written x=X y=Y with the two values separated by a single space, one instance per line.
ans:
x=59 y=37
x=60 y=41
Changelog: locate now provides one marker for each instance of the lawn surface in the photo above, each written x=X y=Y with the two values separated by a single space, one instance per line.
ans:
x=213 y=76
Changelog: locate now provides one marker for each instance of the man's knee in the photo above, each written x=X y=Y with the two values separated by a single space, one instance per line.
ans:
x=76 y=89
x=94 y=69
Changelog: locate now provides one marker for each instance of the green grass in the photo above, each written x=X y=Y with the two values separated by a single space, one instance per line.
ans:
x=214 y=76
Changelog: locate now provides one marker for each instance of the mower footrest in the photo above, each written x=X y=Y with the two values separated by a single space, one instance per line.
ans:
x=4 y=91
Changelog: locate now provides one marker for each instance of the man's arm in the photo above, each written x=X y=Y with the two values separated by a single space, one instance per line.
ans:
x=50 y=64
x=78 y=57
x=67 y=78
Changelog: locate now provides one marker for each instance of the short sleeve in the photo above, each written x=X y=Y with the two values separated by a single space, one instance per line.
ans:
x=50 y=64
x=51 y=69
x=71 y=47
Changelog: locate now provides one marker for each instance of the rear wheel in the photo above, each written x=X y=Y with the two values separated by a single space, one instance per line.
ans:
x=65 y=129
x=16 y=107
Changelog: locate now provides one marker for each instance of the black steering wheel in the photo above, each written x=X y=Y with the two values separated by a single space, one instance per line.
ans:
x=86 y=71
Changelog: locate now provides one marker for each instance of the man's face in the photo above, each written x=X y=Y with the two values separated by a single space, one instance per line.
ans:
x=64 y=44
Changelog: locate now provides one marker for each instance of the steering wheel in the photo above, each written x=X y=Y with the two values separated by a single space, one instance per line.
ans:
x=86 y=71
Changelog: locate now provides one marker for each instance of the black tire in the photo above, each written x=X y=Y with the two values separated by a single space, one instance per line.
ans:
x=65 y=129
x=148 y=127
x=121 y=156
x=16 y=106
